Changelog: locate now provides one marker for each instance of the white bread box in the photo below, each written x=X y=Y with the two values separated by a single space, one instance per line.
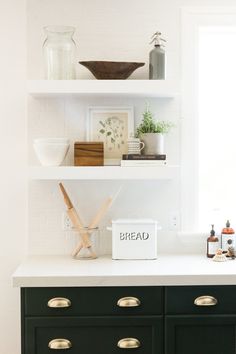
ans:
x=134 y=239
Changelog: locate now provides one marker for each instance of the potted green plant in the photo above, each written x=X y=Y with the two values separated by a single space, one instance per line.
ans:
x=152 y=132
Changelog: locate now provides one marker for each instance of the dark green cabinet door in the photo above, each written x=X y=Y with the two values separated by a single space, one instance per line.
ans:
x=200 y=334
x=98 y=335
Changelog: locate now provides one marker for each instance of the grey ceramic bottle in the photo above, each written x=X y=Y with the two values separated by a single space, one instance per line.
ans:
x=157 y=58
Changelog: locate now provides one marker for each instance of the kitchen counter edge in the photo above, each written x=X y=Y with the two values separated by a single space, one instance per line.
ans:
x=166 y=270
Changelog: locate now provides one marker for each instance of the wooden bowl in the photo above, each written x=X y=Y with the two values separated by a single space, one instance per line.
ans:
x=111 y=70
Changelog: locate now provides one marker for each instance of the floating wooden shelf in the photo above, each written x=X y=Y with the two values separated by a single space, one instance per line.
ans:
x=136 y=88
x=103 y=173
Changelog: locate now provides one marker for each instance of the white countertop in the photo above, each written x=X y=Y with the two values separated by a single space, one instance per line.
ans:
x=166 y=270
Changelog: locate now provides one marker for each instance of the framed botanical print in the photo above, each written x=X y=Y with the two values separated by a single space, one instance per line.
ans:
x=112 y=126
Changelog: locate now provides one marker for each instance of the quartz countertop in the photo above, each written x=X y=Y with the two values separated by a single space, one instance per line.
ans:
x=46 y=271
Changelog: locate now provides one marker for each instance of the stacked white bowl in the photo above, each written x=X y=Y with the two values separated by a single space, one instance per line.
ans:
x=51 y=151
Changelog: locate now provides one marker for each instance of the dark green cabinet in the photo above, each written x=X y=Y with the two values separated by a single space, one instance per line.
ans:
x=200 y=334
x=200 y=320
x=105 y=320
x=143 y=320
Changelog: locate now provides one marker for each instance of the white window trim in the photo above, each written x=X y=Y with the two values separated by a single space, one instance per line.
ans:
x=192 y=18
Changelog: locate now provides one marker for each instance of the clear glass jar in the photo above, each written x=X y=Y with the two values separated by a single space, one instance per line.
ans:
x=94 y=236
x=59 y=52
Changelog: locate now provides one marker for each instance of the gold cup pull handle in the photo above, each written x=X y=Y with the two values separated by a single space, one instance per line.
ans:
x=59 y=344
x=128 y=301
x=129 y=343
x=205 y=300
x=59 y=302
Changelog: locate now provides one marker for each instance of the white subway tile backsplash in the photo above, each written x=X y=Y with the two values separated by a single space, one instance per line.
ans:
x=46 y=243
x=46 y=208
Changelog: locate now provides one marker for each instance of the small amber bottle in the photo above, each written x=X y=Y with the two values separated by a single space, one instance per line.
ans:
x=212 y=243
x=227 y=237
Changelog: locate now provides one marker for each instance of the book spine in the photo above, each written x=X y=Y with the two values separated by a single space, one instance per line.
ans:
x=143 y=157
x=125 y=163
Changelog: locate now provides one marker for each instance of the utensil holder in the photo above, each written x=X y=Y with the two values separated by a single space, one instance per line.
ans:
x=94 y=238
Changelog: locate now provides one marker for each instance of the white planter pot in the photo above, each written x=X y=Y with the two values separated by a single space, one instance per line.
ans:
x=154 y=143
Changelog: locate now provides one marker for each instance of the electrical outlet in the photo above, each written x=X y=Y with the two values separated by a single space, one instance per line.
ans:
x=66 y=222
x=174 y=222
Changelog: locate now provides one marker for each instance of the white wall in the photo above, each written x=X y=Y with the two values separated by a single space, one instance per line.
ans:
x=105 y=29
x=13 y=163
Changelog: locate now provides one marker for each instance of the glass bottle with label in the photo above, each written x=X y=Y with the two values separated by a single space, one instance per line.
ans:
x=227 y=237
x=212 y=243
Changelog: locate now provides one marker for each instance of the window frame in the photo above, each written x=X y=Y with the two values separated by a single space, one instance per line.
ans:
x=192 y=18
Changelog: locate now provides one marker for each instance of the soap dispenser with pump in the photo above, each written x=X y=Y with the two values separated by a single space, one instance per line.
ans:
x=212 y=243
x=227 y=237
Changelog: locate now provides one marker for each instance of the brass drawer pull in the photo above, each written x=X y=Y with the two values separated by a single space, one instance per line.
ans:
x=128 y=301
x=59 y=302
x=128 y=343
x=205 y=300
x=60 y=344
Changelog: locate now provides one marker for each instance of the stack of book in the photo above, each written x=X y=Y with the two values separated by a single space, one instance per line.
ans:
x=132 y=160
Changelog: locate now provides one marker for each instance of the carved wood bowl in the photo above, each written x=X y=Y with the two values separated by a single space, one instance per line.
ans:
x=111 y=70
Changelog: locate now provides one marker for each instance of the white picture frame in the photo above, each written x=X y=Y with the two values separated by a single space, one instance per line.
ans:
x=113 y=126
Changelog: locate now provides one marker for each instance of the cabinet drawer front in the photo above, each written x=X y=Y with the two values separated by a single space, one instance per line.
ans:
x=201 y=300
x=93 y=301
x=94 y=336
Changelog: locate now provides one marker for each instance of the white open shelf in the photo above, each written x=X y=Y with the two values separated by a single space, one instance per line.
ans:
x=140 y=88
x=103 y=173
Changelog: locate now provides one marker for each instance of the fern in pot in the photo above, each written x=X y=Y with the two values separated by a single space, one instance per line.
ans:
x=152 y=132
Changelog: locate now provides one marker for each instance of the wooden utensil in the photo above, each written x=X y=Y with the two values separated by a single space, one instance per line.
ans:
x=76 y=221
x=101 y=212
x=71 y=207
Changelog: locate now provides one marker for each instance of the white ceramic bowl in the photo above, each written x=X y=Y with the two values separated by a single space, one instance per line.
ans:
x=50 y=154
x=52 y=141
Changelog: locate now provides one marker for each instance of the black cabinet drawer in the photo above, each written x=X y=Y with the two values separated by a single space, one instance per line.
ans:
x=99 y=335
x=94 y=301
x=217 y=300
